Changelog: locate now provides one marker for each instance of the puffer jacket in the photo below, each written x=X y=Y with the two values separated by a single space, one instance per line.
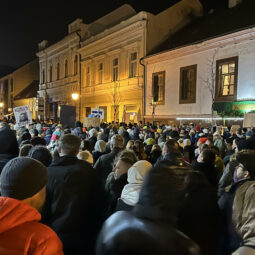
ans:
x=244 y=219
x=21 y=233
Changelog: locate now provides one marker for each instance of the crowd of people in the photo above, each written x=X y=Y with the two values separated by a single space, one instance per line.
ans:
x=124 y=189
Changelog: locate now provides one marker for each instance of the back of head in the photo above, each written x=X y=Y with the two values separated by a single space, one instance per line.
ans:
x=41 y=154
x=8 y=141
x=100 y=146
x=208 y=156
x=162 y=190
x=69 y=144
x=117 y=141
x=23 y=152
x=171 y=145
x=22 y=178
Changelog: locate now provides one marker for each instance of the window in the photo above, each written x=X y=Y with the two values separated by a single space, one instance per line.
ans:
x=226 y=79
x=100 y=73
x=158 y=87
x=43 y=76
x=133 y=64
x=188 y=79
x=11 y=85
x=50 y=73
x=66 y=68
x=58 y=71
x=115 y=74
x=75 y=65
x=88 y=76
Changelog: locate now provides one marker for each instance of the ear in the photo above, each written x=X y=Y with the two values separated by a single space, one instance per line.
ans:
x=246 y=174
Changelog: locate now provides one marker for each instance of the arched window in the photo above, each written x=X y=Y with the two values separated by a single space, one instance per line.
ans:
x=58 y=71
x=76 y=65
x=66 y=68
x=50 y=73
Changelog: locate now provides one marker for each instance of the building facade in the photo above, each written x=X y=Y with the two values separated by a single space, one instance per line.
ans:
x=13 y=86
x=100 y=62
x=214 y=76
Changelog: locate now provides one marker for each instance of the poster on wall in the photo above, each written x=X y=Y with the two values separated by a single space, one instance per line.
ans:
x=22 y=115
x=249 y=120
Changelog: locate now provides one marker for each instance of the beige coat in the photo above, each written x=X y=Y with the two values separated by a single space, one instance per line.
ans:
x=244 y=216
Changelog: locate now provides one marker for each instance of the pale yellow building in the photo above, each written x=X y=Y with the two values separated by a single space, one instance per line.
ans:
x=100 y=61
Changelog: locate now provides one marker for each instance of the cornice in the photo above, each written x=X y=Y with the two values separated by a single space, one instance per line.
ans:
x=219 y=42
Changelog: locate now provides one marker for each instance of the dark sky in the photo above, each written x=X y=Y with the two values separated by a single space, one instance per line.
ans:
x=23 y=24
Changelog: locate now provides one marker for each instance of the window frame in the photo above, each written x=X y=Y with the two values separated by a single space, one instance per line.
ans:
x=187 y=101
x=131 y=62
x=221 y=98
x=115 y=67
x=66 y=68
x=58 y=72
x=164 y=86
x=100 y=73
x=88 y=76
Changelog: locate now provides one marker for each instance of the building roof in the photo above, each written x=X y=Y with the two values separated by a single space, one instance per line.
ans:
x=210 y=26
x=29 y=92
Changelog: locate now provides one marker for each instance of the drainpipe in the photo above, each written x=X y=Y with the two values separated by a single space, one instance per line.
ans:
x=144 y=88
x=79 y=76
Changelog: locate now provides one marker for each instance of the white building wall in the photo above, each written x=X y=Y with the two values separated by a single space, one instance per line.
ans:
x=201 y=55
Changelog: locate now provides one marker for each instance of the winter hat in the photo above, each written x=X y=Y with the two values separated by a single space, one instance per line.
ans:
x=48 y=131
x=22 y=178
x=150 y=141
x=197 y=128
x=8 y=141
x=41 y=154
x=159 y=130
x=202 y=140
x=205 y=131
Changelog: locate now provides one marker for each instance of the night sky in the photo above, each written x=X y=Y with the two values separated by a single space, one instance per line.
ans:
x=23 y=24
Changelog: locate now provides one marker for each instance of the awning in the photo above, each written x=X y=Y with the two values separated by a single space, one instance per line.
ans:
x=29 y=92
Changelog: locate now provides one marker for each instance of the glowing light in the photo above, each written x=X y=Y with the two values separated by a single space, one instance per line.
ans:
x=75 y=96
x=218 y=118
x=1 y=105
x=9 y=109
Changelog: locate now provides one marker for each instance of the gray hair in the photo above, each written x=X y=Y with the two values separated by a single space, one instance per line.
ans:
x=100 y=146
x=127 y=156
x=117 y=141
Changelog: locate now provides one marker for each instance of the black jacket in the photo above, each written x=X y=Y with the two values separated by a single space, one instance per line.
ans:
x=104 y=165
x=149 y=228
x=72 y=206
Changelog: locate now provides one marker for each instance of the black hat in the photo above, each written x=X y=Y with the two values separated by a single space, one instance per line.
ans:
x=22 y=178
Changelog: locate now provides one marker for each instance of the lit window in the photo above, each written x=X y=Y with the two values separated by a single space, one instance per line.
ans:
x=133 y=64
x=88 y=76
x=115 y=74
x=188 y=81
x=100 y=73
x=226 y=79
x=158 y=87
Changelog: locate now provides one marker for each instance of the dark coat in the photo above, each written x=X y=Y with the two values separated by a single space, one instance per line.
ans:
x=208 y=170
x=72 y=204
x=149 y=228
x=122 y=206
x=114 y=189
x=230 y=240
x=104 y=165
x=96 y=155
x=93 y=141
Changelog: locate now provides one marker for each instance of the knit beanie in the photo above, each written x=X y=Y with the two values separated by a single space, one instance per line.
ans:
x=22 y=178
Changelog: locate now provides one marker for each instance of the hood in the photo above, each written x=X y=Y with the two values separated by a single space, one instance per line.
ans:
x=244 y=211
x=138 y=171
x=8 y=141
x=14 y=213
x=161 y=192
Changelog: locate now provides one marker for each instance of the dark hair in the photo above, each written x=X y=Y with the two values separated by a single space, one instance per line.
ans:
x=23 y=151
x=216 y=150
x=208 y=156
x=86 y=146
x=247 y=159
x=70 y=144
x=171 y=145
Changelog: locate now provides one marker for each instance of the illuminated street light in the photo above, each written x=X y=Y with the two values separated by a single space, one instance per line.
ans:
x=9 y=109
x=75 y=96
x=1 y=105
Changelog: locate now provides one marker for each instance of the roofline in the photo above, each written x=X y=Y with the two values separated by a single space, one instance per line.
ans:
x=198 y=42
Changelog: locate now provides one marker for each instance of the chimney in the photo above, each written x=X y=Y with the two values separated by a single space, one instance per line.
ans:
x=42 y=45
x=233 y=3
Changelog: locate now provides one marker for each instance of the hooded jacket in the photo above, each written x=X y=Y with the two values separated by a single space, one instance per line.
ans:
x=136 y=175
x=21 y=233
x=149 y=228
x=243 y=217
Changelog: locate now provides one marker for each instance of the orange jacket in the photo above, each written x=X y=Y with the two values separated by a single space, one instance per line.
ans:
x=21 y=232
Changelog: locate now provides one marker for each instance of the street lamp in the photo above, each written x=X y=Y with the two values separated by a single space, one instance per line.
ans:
x=1 y=105
x=75 y=96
